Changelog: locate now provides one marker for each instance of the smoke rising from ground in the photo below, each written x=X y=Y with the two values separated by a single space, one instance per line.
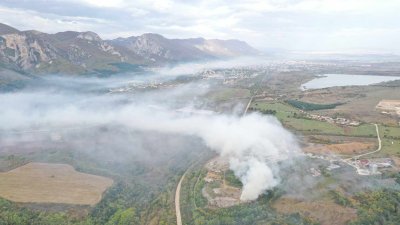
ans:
x=253 y=143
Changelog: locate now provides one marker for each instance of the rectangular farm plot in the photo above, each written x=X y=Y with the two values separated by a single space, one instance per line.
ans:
x=52 y=183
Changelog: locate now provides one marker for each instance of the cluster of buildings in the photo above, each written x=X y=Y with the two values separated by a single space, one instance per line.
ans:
x=141 y=86
x=371 y=166
x=338 y=120
x=363 y=166
x=334 y=163
x=229 y=76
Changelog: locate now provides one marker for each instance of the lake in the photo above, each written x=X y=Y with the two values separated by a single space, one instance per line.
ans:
x=338 y=80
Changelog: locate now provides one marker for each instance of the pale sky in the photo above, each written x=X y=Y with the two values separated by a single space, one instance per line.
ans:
x=313 y=25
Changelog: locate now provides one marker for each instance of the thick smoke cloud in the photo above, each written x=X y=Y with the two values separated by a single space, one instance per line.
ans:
x=253 y=143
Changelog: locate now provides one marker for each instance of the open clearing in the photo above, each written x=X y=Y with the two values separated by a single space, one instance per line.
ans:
x=344 y=148
x=389 y=105
x=52 y=183
x=217 y=191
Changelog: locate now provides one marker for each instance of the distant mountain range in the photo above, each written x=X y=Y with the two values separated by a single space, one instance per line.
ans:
x=71 y=52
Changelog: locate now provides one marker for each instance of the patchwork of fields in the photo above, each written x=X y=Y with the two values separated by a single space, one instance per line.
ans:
x=295 y=120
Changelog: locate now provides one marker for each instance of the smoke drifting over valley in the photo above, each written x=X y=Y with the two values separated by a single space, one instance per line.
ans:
x=253 y=143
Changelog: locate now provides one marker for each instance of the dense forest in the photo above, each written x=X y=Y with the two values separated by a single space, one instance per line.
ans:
x=311 y=106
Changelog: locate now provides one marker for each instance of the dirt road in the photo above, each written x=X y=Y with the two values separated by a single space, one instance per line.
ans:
x=177 y=201
x=375 y=151
x=379 y=143
x=248 y=106
x=349 y=161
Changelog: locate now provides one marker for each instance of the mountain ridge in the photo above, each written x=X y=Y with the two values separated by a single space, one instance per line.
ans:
x=73 y=52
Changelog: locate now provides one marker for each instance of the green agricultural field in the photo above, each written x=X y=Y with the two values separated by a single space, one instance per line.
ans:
x=390 y=132
x=292 y=118
x=390 y=147
x=363 y=130
x=278 y=106
x=390 y=140
x=313 y=126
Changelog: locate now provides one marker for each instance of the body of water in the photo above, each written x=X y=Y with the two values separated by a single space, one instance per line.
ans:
x=338 y=80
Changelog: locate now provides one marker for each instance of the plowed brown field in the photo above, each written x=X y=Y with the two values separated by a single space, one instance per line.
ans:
x=52 y=183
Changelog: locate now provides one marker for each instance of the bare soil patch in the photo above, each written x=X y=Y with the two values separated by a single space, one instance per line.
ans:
x=218 y=193
x=344 y=148
x=389 y=105
x=52 y=183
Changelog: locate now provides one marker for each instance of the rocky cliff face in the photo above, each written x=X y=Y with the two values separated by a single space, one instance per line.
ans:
x=22 y=50
x=86 y=52
x=160 y=49
x=65 y=52
x=157 y=47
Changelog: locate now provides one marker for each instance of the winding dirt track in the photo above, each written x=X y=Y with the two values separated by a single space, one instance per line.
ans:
x=379 y=143
x=372 y=152
x=177 y=201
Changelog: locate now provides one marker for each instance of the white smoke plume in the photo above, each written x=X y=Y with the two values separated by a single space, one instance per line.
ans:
x=254 y=143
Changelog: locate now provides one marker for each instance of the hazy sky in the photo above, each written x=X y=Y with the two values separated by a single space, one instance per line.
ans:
x=320 y=25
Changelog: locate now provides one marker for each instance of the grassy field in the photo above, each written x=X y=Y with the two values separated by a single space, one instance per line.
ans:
x=390 y=140
x=364 y=130
x=390 y=132
x=287 y=115
x=52 y=183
